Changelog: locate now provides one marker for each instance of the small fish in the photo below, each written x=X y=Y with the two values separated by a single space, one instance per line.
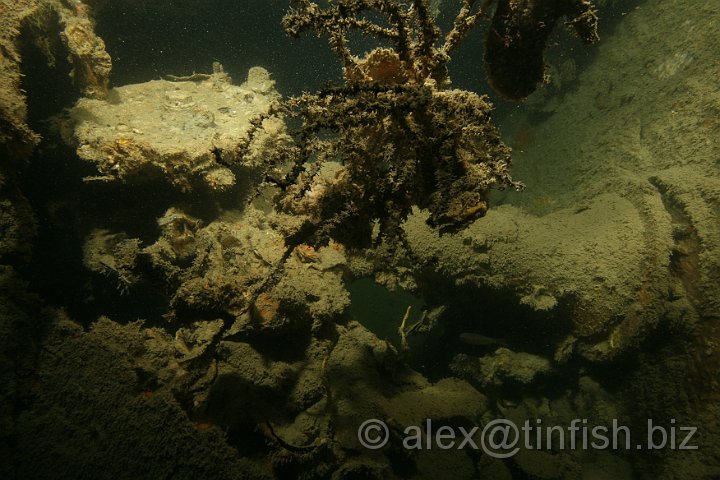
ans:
x=479 y=340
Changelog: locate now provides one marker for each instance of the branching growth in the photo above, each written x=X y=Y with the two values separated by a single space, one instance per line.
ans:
x=395 y=135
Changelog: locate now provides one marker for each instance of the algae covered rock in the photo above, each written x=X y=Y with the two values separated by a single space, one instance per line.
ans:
x=187 y=130
x=95 y=392
x=601 y=265
x=500 y=367
x=57 y=29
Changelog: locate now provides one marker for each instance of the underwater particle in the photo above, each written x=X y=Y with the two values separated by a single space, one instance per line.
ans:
x=518 y=36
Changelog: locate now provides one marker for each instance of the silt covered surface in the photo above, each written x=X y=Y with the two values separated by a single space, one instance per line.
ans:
x=196 y=344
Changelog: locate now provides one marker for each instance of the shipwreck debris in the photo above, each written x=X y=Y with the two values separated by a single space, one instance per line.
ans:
x=185 y=130
x=518 y=35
